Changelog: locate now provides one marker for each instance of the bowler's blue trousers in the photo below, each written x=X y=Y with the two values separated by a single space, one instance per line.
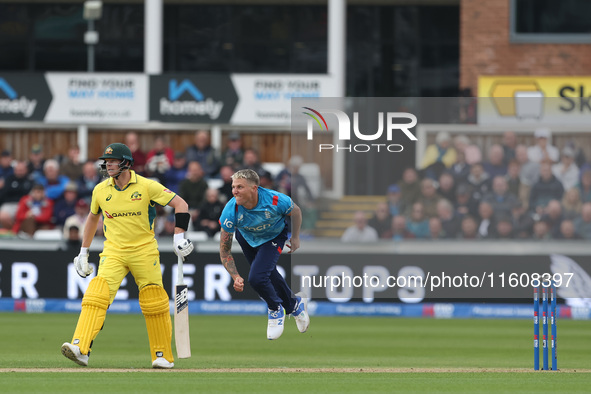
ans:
x=263 y=276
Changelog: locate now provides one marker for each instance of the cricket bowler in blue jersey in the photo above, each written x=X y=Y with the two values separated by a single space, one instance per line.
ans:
x=257 y=216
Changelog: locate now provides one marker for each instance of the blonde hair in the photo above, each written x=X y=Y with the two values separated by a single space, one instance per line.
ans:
x=248 y=174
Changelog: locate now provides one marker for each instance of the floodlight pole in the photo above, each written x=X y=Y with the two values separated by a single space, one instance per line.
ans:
x=90 y=48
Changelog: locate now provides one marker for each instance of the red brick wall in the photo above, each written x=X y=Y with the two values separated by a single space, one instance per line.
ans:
x=485 y=48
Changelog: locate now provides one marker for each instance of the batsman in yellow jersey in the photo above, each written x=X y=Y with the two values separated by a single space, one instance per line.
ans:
x=126 y=201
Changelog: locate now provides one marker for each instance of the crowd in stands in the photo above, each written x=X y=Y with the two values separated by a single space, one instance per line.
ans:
x=460 y=190
x=511 y=191
x=54 y=193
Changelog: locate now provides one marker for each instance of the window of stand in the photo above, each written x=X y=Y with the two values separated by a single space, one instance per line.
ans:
x=550 y=21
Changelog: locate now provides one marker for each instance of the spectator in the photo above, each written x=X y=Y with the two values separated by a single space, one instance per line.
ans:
x=159 y=160
x=500 y=199
x=233 y=156
x=567 y=231
x=470 y=151
x=139 y=157
x=291 y=183
x=547 y=188
x=6 y=169
x=410 y=188
x=583 y=222
x=512 y=177
x=529 y=173
x=209 y=213
x=381 y=220
x=541 y=231
x=192 y=188
x=571 y=203
x=469 y=228
x=252 y=162
x=266 y=181
x=73 y=241
x=64 y=207
x=52 y=181
x=566 y=171
x=225 y=190
x=585 y=186
x=360 y=231
x=71 y=166
x=479 y=181
x=417 y=223
x=522 y=221
x=165 y=221
x=435 y=229
x=509 y=144
x=447 y=186
x=486 y=227
x=399 y=231
x=203 y=152
x=174 y=176
x=15 y=187
x=553 y=217
x=460 y=169
x=438 y=156
x=504 y=228
x=78 y=219
x=580 y=158
x=88 y=180
x=450 y=223
x=34 y=212
x=495 y=164
x=36 y=162
x=465 y=204
x=543 y=150
x=393 y=196
x=429 y=197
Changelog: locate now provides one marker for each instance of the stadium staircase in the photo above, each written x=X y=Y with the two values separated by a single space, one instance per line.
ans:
x=336 y=216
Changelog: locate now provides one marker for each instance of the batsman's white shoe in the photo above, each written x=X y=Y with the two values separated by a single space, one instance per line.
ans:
x=301 y=312
x=73 y=353
x=162 y=363
x=275 y=323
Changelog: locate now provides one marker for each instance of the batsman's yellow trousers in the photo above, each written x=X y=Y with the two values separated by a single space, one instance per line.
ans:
x=145 y=269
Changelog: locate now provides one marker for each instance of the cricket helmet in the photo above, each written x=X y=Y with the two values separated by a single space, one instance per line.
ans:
x=117 y=151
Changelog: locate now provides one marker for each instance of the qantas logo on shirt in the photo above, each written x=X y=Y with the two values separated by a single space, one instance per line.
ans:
x=119 y=214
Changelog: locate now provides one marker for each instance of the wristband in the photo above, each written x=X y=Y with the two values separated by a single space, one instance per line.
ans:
x=83 y=250
x=182 y=220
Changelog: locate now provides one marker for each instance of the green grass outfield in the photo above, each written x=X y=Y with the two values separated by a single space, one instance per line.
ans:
x=337 y=354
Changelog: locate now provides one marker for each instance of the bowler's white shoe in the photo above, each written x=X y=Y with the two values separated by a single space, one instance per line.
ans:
x=275 y=323
x=73 y=353
x=301 y=312
x=162 y=363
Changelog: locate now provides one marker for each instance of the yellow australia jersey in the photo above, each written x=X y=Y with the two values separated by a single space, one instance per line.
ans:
x=128 y=214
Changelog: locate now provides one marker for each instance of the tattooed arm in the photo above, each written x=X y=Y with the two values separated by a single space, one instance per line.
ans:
x=228 y=260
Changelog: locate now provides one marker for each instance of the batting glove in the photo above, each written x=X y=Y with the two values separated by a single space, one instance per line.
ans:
x=81 y=263
x=182 y=247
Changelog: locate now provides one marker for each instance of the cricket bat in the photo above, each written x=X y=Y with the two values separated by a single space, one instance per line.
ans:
x=181 y=315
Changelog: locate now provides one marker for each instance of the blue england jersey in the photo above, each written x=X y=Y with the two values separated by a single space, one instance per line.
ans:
x=260 y=224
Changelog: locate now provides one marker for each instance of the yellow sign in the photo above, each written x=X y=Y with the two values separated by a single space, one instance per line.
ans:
x=525 y=98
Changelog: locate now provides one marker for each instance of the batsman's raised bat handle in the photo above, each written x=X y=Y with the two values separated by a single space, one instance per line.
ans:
x=180 y=277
